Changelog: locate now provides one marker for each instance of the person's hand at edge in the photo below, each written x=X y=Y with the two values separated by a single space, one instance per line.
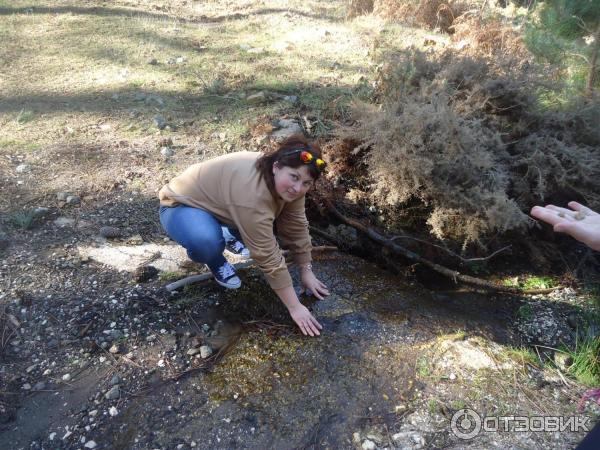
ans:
x=578 y=222
x=312 y=283
x=305 y=320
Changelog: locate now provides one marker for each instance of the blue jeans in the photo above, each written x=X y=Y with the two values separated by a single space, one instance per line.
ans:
x=198 y=231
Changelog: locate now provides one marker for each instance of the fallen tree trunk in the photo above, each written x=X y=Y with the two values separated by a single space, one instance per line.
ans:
x=453 y=274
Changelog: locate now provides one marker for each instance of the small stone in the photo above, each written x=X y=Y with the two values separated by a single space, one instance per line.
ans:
x=40 y=211
x=30 y=368
x=26 y=387
x=112 y=411
x=368 y=445
x=113 y=394
x=193 y=351
x=291 y=98
x=563 y=361
x=160 y=122
x=110 y=232
x=62 y=196
x=39 y=386
x=258 y=98
x=205 y=351
x=167 y=152
x=66 y=377
x=153 y=61
x=115 y=335
x=52 y=436
x=114 y=349
x=452 y=376
x=22 y=168
x=136 y=239
x=90 y=444
x=165 y=142
x=62 y=222
x=180 y=59
x=115 y=380
x=73 y=200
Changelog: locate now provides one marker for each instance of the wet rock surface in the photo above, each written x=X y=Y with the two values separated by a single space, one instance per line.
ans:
x=121 y=365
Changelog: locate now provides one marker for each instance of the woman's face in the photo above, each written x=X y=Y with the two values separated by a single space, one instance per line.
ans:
x=291 y=183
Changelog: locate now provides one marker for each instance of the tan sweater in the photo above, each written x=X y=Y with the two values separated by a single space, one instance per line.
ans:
x=231 y=189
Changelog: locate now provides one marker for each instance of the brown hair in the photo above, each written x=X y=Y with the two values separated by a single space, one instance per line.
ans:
x=284 y=155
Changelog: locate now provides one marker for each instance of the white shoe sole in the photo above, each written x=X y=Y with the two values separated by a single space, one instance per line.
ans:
x=242 y=255
x=229 y=285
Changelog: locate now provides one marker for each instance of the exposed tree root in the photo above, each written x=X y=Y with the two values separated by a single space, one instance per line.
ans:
x=453 y=274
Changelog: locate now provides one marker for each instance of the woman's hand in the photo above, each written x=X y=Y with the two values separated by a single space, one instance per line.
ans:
x=579 y=222
x=310 y=281
x=305 y=320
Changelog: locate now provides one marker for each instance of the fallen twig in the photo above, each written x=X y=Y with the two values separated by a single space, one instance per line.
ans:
x=243 y=265
x=450 y=252
x=453 y=274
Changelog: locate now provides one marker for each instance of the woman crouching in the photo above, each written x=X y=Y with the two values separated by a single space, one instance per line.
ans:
x=213 y=205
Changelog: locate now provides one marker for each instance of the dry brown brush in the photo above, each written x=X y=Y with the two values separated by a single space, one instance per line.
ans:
x=462 y=136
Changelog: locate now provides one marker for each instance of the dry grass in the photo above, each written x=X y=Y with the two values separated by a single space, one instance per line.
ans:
x=78 y=95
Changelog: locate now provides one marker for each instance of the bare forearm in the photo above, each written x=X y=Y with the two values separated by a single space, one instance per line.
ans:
x=288 y=296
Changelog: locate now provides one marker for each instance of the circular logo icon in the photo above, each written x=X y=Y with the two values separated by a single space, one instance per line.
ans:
x=465 y=424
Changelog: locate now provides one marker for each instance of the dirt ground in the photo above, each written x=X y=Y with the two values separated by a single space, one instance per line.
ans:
x=100 y=105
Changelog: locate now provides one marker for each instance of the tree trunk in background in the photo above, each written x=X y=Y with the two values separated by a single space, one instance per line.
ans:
x=593 y=65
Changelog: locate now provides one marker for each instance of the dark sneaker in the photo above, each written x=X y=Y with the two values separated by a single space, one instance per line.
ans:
x=237 y=248
x=226 y=277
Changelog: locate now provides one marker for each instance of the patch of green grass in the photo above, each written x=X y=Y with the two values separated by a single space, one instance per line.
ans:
x=22 y=220
x=522 y=355
x=586 y=361
x=460 y=335
x=25 y=116
x=458 y=404
x=510 y=282
x=432 y=406
x=423 y=369
x=19 y=145
x=168 y=276
x=535 y=282
x=593 y=293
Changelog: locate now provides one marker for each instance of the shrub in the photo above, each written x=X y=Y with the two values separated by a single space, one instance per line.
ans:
x=461 y=137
